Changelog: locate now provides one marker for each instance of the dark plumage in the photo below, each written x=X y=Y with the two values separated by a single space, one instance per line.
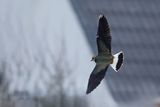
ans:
x=104 y=57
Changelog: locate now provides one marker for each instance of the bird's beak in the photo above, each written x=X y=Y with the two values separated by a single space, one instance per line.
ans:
x=91 y=59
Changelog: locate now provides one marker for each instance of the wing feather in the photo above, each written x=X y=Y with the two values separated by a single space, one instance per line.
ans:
x=104 y=36
x=96 y=77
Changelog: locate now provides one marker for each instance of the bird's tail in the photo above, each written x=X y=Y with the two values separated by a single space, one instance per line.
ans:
x=117 y=61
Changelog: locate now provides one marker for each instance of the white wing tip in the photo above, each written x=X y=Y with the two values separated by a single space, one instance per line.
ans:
x=100 y=16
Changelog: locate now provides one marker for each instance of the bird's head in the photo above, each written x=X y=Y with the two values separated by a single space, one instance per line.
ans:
x=93 y=58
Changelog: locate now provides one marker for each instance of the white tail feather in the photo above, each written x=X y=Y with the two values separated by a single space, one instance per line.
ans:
x=117 y=61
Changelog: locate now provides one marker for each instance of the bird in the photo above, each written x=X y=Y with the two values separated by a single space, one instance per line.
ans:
x=104 y=59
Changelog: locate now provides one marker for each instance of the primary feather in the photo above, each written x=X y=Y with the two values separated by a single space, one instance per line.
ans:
x=104 y=57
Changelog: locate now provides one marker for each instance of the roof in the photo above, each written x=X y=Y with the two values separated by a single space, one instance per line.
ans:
x=135 y=29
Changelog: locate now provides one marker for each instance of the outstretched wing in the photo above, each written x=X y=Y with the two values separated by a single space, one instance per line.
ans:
x=96 y=77
x=104 y=36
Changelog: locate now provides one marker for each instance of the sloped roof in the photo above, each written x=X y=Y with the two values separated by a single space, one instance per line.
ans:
x=135 y=29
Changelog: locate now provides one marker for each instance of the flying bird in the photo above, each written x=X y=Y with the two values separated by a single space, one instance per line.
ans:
x=104 y=57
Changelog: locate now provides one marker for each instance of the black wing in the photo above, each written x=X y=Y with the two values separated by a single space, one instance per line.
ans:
x=104 y=36
x=96 y=77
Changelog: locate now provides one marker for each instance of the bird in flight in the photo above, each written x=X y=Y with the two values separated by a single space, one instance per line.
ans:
x=104 y=57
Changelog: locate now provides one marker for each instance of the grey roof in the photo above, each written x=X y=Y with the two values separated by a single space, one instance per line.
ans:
x=135 y=28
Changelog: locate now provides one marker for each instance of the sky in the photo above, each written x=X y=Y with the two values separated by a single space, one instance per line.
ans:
x=39 y=38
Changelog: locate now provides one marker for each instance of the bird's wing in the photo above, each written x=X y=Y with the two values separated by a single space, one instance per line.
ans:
x=103 y=35
x=96 y=77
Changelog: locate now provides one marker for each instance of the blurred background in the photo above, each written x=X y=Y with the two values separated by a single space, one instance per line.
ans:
x=46 y=47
